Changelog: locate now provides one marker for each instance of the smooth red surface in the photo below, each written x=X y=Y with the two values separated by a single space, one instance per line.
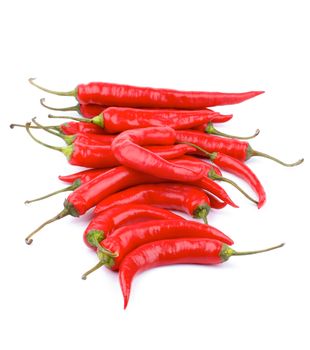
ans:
x=211 y=143
x=215 y=202
x=91 y=110
x=128 y=151
x=109 y=220
x=167 y=252
x=84 y=176
x=73 y=128
x=120 y=95
x=173 y=196
x=238 y=168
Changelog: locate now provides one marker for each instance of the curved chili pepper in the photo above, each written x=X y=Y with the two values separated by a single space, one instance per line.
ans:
x=175 y=251
x=117 y=119
x=235 y=148
x=238 y=168
x=125 y=239
x=215 y=203
x=103 y=224
x=144 y=97
x=127 y=150
x=188 y=199
x=84 y=175
x=102 y=156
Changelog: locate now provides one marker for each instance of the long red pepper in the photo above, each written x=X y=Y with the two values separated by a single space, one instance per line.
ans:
x=235 y=148
x=144 y=97
x=127 y=149
x=93 y=110
x=103 y=224
x=117 y=119
x=125 y=239
x=189 y=199
x=215 y=203
x=175 y=251
x=102 y=156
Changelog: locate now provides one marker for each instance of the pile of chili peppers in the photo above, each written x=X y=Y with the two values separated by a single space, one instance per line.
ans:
x=147 y=151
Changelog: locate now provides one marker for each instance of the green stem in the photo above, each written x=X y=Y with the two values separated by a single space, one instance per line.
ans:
x=211 y=130
x=67 y=138
x=72 y=187
x=62 y=214
x=59 y=93
x=96 y=267
x=53 y=127
x=77 y=119
x=211 y=156
x=235 y=253
x=75 y=108
x=253 y=153
x=214 y=176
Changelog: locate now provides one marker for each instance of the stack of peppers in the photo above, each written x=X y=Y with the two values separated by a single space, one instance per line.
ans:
x=148 y=151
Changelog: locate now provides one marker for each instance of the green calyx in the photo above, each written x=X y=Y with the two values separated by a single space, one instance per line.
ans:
x=68 y=151
x=226 y=252
x=71 y=209
x=201 y=212
x=99 y=120
x=94 y=237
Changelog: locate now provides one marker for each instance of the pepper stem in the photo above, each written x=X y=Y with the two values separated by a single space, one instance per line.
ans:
x=75 y=108
x=210 y=129
x=214 y=176
x=211 y=156
x=96 y=267
x=67 y=138
x=60 y=149
x=72 y=187
x=254 y=153
x=59 y=93
x=258 y=251
x=62 y=214
x=77 y=119
x=53 y=127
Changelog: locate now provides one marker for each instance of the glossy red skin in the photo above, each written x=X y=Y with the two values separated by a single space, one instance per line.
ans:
x=94 y=139
x=109 y=220
x=73 y=128
x=172 y=196
x=238 y=168
x=101 y=155
x=211 y=143
x=120 y=95
x=91 y=193
x=118 y=119
x=91 y=110
x=215 y=202
x=167 y=252
x=84 y=176
x=125 y=239
x=187 y=159
x=127 y=150
x=216 y=118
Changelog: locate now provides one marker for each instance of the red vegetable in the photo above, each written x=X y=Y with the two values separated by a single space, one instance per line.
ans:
x=103 y=224
x=125 y=239
x=127 y=150
x=174 y=251
x=143 y=97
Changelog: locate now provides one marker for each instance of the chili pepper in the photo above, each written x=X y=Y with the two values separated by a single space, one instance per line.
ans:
x=215 y=203
x=116 y=119
x=91 y=193
x=210 y=129
x=102 y=156
x=175 y=251
x=103 y=224
x=132 y=96
x=235 y=148
x=238 y=168
x=127 y=150
x=86 y=110
x=93 y=110
x=84 y=175
x=188 y=199
x=125 y=239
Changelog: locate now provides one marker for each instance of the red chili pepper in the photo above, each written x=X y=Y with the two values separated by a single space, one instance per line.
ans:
x=189 y=199
x=175 y=251
x=84 y=175
x=102 y=156
x=120 y=95
x=127 y=150
x=103 y=224
x=125 y=239
x=235 y=148
x=215 y=203
x=116 y=119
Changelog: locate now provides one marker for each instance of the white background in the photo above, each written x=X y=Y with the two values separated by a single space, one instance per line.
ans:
x=251 y=302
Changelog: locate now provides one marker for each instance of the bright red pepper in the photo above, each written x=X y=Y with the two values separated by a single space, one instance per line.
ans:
x=174 y=251
x=122 y=241
x=120 y=95
x=103 y=224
